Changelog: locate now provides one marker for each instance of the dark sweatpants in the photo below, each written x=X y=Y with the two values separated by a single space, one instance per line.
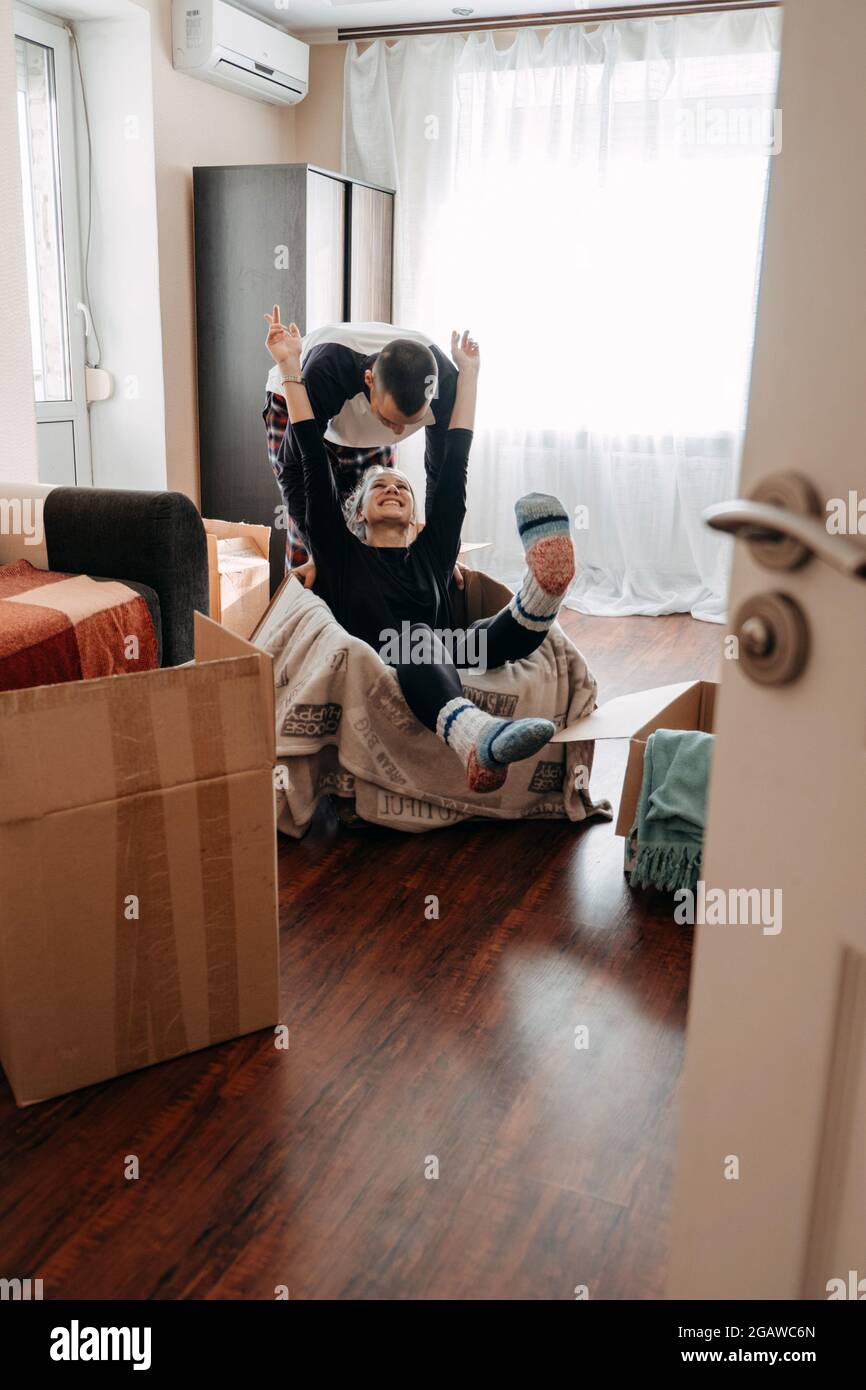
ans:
x=430 y=679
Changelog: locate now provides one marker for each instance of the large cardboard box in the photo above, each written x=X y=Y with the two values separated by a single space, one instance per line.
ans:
x=687 y=705
x=239 y=573
x=138 y=904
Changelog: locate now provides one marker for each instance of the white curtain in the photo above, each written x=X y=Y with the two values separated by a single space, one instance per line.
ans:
x=590 y=204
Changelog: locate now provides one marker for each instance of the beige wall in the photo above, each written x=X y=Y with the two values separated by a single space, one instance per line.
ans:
x=319 y=117
x=17 y=415
x=194 y=123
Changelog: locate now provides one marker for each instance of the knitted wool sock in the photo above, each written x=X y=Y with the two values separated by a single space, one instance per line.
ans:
x=543 y=525
x=486 y=745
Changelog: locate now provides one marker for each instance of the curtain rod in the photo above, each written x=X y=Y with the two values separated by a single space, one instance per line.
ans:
x=661 y=9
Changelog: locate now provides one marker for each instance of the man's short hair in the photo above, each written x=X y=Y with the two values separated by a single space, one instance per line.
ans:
x=406 y=371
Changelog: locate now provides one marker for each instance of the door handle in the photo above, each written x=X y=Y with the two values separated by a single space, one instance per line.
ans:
x=781 y=524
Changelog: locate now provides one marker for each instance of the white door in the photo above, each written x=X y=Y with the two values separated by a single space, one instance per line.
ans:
x=52 y=244
x=770 y=1184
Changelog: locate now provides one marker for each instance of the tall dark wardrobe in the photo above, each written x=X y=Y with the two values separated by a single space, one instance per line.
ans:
x=318 y=244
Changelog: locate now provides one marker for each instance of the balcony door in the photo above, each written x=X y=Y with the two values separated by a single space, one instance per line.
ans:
x=43 y=62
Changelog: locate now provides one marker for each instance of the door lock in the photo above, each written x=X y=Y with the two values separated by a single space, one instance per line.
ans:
x=773 y=638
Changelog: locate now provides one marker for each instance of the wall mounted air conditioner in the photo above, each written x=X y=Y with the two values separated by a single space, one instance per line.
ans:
x=220 y=44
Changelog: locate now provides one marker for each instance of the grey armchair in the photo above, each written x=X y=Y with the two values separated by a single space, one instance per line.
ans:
x=153 y=541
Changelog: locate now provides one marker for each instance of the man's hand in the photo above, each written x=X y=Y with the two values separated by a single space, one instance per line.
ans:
x=458 y=576
x=306 y=573
x=465 y=351
x=284 y=344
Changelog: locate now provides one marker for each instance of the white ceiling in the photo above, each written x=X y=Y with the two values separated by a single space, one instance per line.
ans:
x=319 y=20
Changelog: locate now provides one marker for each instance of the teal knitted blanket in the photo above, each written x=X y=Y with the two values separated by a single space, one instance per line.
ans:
x=668 y=831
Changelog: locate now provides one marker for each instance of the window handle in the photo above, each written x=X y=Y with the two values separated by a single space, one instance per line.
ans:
x=782 y=525
x=88 y=321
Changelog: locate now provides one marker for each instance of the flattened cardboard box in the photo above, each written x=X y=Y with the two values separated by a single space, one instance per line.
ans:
x=138 y=909
x=687 y=705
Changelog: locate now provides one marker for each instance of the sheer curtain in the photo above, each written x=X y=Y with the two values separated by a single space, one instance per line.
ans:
x=590 y=203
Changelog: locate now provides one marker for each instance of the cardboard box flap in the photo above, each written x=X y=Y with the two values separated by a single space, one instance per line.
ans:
x=260 y=536
x=632 y=716
x=289 y=592
x=693 y=709
x=84 y=742
x=708 y=707
x=213 y=577
x=213 y=642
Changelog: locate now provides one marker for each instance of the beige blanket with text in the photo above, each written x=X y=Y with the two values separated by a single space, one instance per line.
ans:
x=344 y=729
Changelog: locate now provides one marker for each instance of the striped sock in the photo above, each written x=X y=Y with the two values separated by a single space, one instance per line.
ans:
x=543 y=525
x=486 y=745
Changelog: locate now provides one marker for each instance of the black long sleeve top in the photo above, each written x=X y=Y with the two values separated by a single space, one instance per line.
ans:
x=338 y=395
x=373 y=588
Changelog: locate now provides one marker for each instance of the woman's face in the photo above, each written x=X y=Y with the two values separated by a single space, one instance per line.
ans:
x=388 y=498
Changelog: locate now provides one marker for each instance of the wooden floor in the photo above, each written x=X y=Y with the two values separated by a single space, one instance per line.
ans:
x=411 y=1041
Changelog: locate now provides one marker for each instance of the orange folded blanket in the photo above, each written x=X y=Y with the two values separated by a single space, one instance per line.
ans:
x=67 y=627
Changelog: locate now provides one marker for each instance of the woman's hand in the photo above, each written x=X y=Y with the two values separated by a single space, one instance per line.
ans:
x=306 y=573
x=284 y=344
x=465 y=352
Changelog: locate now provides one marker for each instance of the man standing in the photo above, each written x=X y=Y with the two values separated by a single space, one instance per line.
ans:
x=369 y=384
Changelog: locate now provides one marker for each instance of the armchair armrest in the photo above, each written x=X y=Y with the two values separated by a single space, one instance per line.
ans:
x=154 y=538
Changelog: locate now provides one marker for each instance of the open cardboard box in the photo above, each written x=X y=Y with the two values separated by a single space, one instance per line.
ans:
x=138 y=904
x=239 y=589
x=688 y=705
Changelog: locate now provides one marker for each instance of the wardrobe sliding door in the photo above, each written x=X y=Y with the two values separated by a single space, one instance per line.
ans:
x=370 y=276
x=326 y=233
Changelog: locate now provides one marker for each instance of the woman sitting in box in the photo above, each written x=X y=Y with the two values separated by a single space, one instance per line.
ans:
x=376 y=578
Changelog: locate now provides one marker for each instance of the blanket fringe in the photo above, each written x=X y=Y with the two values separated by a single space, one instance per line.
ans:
x=667 y=867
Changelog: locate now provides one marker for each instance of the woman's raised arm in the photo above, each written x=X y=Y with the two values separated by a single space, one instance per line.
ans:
x=284 y=344
x=326 y=528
